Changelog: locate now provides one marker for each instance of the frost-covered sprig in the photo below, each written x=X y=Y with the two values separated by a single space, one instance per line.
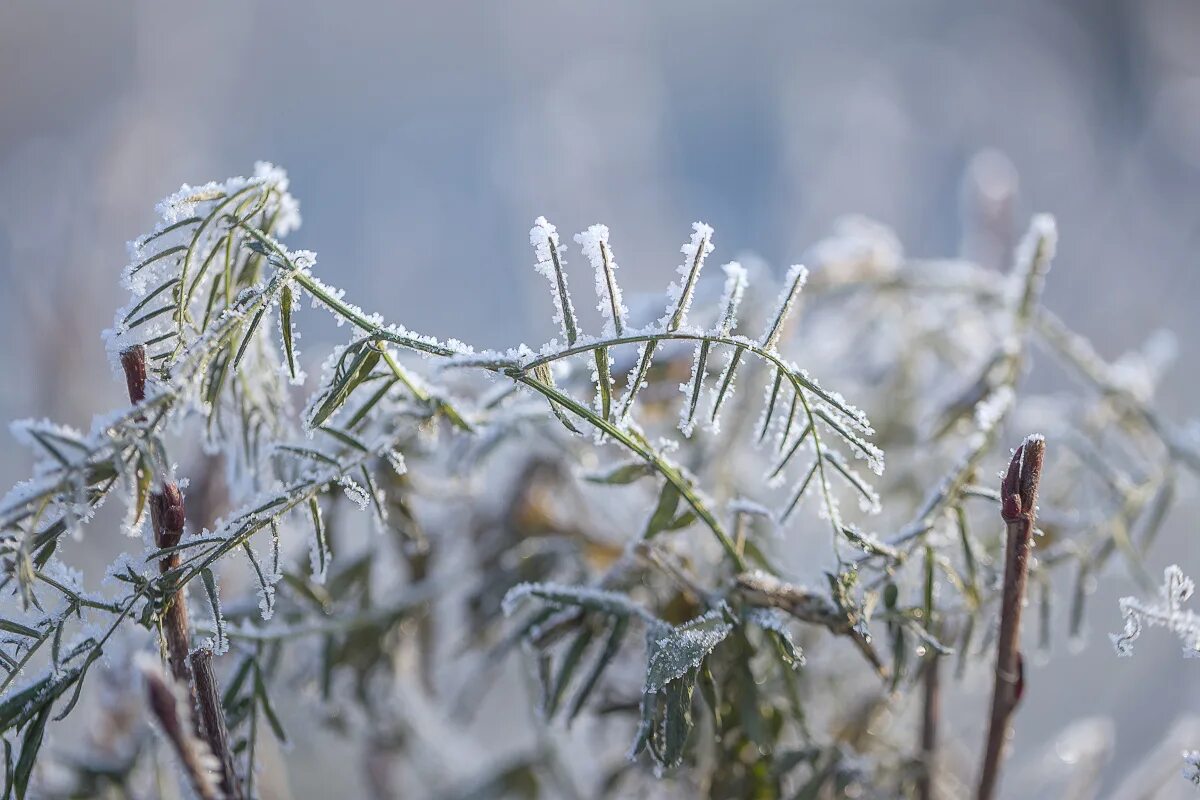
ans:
x=679 y=295
x=595 y=247
x=679 y=300
x=1168 y=613
x=731 y=299
x=544 y=238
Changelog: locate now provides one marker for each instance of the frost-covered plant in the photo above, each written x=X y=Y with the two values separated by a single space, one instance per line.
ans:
x=577 y=503
x=1168 y=612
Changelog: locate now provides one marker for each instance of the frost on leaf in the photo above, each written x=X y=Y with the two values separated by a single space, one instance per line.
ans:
x=683 y=648
x=773 y=622
x=564 y=596
x=594 y=243
x=544 y=238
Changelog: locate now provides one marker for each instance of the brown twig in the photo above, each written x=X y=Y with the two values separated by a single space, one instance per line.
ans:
x=1018 y=493
x=171 y=707
x=212 y=721
x=173 y=701
x=166 y=515
x=931 y=714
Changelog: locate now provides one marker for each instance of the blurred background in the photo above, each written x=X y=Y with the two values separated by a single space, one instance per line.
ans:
x=422 y=140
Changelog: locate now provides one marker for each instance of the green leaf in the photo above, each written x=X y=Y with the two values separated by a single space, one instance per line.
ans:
x=285 y=323
x=647 y=706
x=345 y=383
x=314 y=510
x=698 y=368
x=622 y=474
x=677 y=719
x=17 y=628
x=726 y=381
x=210 y=589
x=603 y=381
x=664 y=512
x=30 y=746
x=264 y=701
x=611 y=646
x=542 y=374
x=254 y=321
x=769 y=412
x=773 y=623
x=566 y=668
x=708 y=688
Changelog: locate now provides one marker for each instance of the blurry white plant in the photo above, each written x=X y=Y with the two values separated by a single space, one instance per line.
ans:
x=1168 y=613
x=586 y=552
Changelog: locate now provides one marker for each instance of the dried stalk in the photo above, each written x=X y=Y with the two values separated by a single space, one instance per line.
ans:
x=1018 y=492
x=171 y=707
x=212 y=721
x=931 y=714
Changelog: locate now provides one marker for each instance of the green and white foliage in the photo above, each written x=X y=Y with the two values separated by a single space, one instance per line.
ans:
x=635 y=510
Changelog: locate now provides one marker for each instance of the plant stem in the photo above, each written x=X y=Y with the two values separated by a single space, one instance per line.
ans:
x=212 y=721
x=932 y=710
x=166 y=514
x=1018 y=492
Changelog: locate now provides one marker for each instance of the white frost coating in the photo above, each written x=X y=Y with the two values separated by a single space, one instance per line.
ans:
x=691 y=392
x=220 y=644
x=793 y=283
x=1191 y=769
x=355 y=492
x=744 y=505
x=581 y=596
x=271 y=575
x=679 y=295
x=594 y=243
x=396 y=461
x=192 y=222
x=731 y=297
x=1168 y=613
x=682 y=649
x=857 y=244
x=1033 y=257
x=770 y=619
x=550 y=263
x=990 y=411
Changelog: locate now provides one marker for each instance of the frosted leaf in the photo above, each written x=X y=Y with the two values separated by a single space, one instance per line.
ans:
x=220 y=642
x=793 y=283
x=692 y=389
x=683 y=648
x=583 y=597
x=774 y=622
x=679 y=295
x=594 y=243
x=868 y=498
x=318 y=553
x=731 y=297
x=550 y=263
